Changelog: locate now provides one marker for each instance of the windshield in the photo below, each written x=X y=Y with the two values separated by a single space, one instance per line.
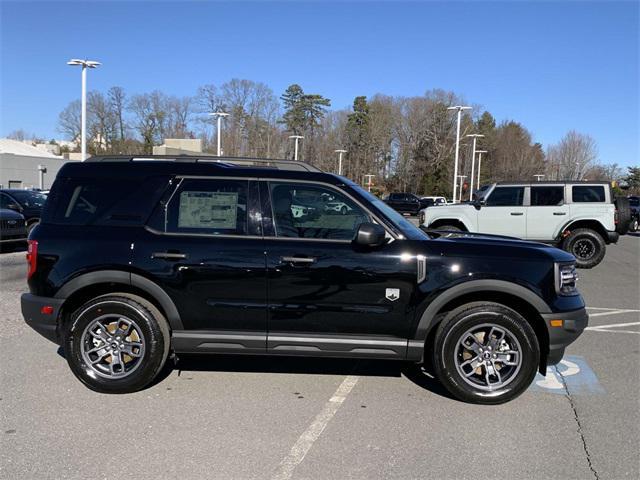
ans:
x=30 y=199
x=407 y=228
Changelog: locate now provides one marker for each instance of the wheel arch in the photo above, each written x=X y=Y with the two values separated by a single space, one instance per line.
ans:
x=514 y=296
x=592 y=224
x=90 y=285
x=449 y=221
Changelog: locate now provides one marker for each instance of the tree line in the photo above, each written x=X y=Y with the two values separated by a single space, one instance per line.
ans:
x=407 y=143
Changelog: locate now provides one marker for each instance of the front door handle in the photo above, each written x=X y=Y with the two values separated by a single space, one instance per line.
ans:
x=517 y=214
x=169 y=255
x=559 y=213
x=306 y=260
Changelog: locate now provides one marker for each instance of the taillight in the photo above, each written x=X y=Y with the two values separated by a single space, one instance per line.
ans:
x=32 y=257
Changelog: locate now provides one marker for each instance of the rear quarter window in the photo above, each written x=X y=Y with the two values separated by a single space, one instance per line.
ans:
x=588 y=193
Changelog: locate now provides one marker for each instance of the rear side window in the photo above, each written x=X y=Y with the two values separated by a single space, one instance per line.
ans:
x=82 y=201
x=506 y=197
x=547 y=196
x=209 y=207
x=588 y=193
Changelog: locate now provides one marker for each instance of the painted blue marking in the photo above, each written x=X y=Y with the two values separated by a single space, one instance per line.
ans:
x=577 y=374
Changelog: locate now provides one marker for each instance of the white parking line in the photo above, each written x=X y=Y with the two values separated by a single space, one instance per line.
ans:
x=311 y=434
x=612 y=312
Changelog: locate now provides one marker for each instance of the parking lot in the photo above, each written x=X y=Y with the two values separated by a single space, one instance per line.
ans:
x=280 y=418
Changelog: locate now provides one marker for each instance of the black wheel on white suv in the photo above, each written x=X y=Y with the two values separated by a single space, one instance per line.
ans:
x=117 y=343
x=485 y=353
x=586 y=245
x=450 y=228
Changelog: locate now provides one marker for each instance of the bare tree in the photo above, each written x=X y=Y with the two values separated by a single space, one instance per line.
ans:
x=118 y=101
x=69 y=121
x=571 y=158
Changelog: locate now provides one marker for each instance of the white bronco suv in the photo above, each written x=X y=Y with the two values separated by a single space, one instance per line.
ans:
x=580 y=217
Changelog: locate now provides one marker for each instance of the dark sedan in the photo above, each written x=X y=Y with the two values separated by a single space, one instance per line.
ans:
x=13 y=228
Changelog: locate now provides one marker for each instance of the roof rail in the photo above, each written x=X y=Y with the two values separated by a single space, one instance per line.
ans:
x=280 y=164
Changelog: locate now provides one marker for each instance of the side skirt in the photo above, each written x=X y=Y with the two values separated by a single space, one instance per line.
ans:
x=340 y=346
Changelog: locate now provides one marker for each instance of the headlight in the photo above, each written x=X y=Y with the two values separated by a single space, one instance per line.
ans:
x=566 y=278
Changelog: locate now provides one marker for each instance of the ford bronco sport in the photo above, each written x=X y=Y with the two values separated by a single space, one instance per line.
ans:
x=135 y=258
x=580 y=217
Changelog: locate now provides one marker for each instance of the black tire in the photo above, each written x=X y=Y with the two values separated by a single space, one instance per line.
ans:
x=633 y=224
x=624 y=215
x=154 y=336
x=586 y=245
x=421 y=217
x=451 y=228
x=31 y=226
x=343 y=210
x=478 y=315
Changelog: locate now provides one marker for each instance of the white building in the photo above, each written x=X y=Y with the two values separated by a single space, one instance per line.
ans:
x=25 y=166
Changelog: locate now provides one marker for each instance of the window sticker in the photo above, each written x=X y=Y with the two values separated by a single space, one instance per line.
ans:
x=208 y=210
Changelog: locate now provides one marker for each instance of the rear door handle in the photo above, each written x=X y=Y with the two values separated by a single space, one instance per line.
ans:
x=559 y=213
x=306 y=260
x=169 y=255
x=517 y=214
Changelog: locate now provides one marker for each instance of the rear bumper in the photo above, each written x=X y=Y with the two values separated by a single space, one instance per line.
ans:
x=573 y=324
x=612 y=237
x=45 y=324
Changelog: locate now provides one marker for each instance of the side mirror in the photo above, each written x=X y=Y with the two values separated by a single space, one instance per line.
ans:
x=15 y=207
x=370 y=235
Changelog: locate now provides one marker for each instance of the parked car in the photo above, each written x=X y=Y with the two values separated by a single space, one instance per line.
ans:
x=195 y=256
x=580 y=217
x=634 y=206
x=405 y=202
x=29 y=203
x=13 y=228
x=434 y=201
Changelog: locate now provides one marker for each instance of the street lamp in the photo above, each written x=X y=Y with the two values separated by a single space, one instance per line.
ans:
x=220 y=115
x=340 y=152
x=461 y=177
x=539 y=176
x=83 y=129
x=475 y=136
x=368 y=182
x=479 y=152
x=296 y=137
x=459 y=108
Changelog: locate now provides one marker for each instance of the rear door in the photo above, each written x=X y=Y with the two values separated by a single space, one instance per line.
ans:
x=547 y=212
x=504 y=212
x=204 y=248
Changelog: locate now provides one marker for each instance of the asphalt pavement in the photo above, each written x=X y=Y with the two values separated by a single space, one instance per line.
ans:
x=279 y=418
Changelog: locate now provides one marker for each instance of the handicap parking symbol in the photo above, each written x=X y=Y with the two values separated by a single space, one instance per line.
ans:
x=575 y=372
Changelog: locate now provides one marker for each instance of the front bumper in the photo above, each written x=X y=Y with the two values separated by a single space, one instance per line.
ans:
x=45 y=324
x=572 y=325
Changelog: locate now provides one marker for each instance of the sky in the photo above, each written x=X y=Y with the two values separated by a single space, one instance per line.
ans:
x=553 y=66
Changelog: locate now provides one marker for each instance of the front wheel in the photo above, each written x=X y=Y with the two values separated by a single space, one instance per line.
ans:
x=485 y=353
x=117 y=343
x=587 y=246
x=633 y=225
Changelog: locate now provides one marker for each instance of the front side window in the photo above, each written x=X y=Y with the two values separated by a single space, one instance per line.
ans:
x=209 y=207
x=313 y=211
x=588 y=193
x=30 y=199
x=506 y=197
x=547 y=196
x=5 y=201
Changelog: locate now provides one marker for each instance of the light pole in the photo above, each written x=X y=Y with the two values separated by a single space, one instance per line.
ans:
x=479 y=152
x=220 y=115
x=539 y=176
x=473 y=160
x=296 y=137
x=459 y=108
x=83 y=129
x=461 y=177
x=368 y=182
x=41 y=171
x=340 y=152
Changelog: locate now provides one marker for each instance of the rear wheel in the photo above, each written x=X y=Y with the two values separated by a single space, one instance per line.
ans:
x=623 y=210
x=485 y=353
x=587 y=246
x=117 y=343
x=451 y=228
x=633 y=225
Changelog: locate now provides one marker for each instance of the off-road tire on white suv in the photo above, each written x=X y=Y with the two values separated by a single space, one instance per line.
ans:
x=586 y=245
x=494 y=334
x=117 y=343
x=623 y=210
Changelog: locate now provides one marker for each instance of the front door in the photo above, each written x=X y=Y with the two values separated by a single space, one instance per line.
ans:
x=207 y=253
x=504 y=213
x=326 y=295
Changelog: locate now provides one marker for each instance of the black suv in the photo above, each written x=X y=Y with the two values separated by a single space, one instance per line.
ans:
x=406 y=202
x=138 y=257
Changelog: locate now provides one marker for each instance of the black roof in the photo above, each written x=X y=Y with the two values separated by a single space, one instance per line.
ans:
x=122 y=166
